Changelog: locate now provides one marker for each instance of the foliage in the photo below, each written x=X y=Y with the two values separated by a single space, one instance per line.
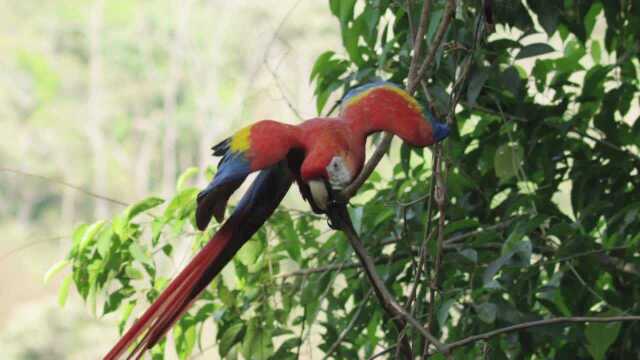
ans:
x=536 y=121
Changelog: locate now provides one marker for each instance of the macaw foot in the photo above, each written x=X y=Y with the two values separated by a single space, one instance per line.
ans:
x=332 y=225
x=337 y=213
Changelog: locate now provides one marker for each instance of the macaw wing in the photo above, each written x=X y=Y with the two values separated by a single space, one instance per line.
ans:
x=255 y=207
x=252 y=148
x=233 y=168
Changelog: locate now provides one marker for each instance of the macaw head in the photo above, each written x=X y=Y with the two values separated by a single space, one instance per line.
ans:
x=384 y=106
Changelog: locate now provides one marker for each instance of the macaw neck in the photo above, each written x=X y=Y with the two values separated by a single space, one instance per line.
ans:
x=394 y=113
x=328 y=142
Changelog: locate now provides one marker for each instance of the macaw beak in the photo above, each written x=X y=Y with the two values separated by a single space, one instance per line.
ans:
x=440 y=130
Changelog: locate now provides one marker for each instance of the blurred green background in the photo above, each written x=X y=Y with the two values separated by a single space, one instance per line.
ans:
x=118 y=98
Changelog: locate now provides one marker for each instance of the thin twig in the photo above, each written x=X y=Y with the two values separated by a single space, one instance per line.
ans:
x=271 y=70
x=321 y=269
x=418 y=40
x=30 y=244
x=383 y=352
x=422 y=262
x=437 y=40
x=498 y=226
x=349 y=326
x=590 y=289
x=64 y=183
x=440 y=193
x=537 y=323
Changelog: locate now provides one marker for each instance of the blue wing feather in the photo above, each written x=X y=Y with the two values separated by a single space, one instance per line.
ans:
x=233 y=169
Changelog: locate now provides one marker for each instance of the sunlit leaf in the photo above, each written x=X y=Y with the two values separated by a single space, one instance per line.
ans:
x=144 y=205
x=507 y=160
x=186 y=176
x=55 y=269
x=63 y=292
x=249 y=252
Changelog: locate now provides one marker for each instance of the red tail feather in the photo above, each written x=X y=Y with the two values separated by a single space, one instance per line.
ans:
x=175 y=299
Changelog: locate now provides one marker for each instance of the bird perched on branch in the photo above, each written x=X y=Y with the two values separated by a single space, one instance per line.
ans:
x=322 y=155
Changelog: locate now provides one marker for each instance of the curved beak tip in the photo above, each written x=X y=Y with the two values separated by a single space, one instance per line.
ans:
x=440 y=131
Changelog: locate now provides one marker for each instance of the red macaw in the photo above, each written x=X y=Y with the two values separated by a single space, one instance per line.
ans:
x=322 y=155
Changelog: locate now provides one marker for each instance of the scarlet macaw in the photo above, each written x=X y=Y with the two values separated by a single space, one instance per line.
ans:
x=323 y=155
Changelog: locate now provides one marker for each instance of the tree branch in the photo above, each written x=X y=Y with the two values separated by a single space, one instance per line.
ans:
x=439 y=196
x=340 y=218
x=537 y=323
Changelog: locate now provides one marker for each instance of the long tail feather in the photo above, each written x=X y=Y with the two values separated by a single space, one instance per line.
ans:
x=256 y=206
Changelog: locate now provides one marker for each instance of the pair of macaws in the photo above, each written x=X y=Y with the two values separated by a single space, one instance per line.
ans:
x=322 y=155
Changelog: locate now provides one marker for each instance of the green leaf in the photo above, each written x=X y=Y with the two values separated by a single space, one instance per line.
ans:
x=443 y=311
x=63 y=292
x=185 y=176
x=115 y=299
x=55 y=269
x=185 y=335
x=507 y=160
x=144 y=205
x=346 y=10
x=286 y=231
x=78 y=233
x=105 y=241
x=596 y=51
x=90 y=234
x=405 y=158
x=321 y=64
x=600 y=337
x=350 y=37
x=470 y=254
x=125 y=314
x=478 y=79
x=249 y=252
x=181 y=204
x=133 y=273
x=591 y=17
x=139 y=254
x=487 y=312
x=257 y=343
x=534 y=50
x=493 y=268
x=511 y=80
x=231 y=336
